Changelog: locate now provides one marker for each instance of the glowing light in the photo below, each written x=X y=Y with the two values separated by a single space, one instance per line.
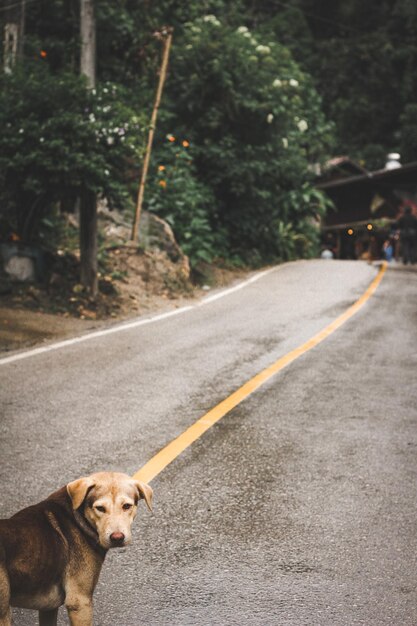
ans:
x=171 y=138
x=185 y=144
x=369 y=227
x=161 y=168
x=162 y=183
x=43 y=54
x=350 y=231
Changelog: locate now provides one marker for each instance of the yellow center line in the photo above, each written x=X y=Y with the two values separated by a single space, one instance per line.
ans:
x=170 y=452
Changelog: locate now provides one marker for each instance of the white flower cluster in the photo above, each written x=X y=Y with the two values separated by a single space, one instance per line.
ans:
x=302 y=126
x=111 y=134
x=282 y=83
x=270 y=118
x=105 y=90
x=245 y=32
x=263 y=49
x=212 y=19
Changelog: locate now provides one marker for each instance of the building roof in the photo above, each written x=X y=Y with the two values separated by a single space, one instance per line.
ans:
x=340 y=167
x=369 y=194
x=403 y=175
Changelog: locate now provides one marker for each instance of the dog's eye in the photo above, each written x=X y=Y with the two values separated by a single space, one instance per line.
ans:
x=127 y=506
x=101 y=509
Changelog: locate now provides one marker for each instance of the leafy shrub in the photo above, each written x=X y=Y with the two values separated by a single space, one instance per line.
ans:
x=374 y=156
x=256 y=125
x=176 y=195
x=299 y=236
x=57 y=140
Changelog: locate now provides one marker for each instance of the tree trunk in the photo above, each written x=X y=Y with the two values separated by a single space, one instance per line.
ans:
x=88 y=200
x=88 y=42
x=88 y=241
x=13 y=35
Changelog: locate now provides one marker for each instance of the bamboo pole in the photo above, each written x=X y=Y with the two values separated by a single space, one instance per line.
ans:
x=167 y=45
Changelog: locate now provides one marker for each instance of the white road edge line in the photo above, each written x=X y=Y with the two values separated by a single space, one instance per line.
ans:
x=135 y=323
x=227 y=292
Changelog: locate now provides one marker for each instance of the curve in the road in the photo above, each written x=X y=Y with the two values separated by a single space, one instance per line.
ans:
x=133 y=324
x=170 y=452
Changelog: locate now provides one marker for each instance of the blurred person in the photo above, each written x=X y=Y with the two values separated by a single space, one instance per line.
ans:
x=407 y=225
x=388 y=250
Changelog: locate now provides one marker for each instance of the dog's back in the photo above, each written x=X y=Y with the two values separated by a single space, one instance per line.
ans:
x=40 y=531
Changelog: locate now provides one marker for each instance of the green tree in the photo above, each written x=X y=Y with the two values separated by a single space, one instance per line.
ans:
x=60 y=141
x=175 y=193
x=362 y=57
x=255 y=122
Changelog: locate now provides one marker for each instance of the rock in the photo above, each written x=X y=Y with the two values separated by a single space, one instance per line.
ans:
x=155 y=232
x=113 y=224
x=20 y=268
x=22 y=262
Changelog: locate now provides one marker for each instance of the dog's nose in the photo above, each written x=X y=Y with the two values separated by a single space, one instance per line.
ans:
x=117 y=537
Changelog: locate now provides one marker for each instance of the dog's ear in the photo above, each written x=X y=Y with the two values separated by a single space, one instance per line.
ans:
x=77 y=490
x=145 y=492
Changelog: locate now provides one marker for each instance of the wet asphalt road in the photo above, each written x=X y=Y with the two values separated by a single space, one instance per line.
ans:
x=299 y=507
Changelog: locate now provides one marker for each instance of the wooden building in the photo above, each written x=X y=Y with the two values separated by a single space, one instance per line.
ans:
x=366 y=204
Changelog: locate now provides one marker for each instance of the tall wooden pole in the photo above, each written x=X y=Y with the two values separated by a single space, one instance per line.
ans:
x=88 y=42
x=13 y=35
x=145 y=167
x=88 y=199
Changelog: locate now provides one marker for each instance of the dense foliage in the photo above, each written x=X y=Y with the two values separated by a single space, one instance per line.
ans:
x=255 y=123
x=176 y=194
x=58 y=140
x=242 y=93
x=363 y=57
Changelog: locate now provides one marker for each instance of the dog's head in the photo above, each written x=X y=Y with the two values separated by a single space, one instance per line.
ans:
x=109 y=502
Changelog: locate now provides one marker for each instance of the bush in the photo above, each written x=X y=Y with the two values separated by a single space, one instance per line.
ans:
x=256 y=125
x=176 y=195
x=59 y=140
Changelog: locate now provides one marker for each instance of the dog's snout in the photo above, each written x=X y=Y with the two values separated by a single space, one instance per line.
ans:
x=117 y=538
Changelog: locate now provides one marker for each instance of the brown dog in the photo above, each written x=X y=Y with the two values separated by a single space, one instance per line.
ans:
x=51 y=553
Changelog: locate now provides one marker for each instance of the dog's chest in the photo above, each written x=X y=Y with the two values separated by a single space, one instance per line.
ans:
x=44 y=601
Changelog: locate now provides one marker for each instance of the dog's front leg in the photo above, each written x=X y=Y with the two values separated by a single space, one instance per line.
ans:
x=6 y=618
x=48 y=618
x=5 y=610
x=80 y=611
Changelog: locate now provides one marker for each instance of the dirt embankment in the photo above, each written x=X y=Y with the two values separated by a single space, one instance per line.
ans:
x=152 y=275
x=139 y=283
